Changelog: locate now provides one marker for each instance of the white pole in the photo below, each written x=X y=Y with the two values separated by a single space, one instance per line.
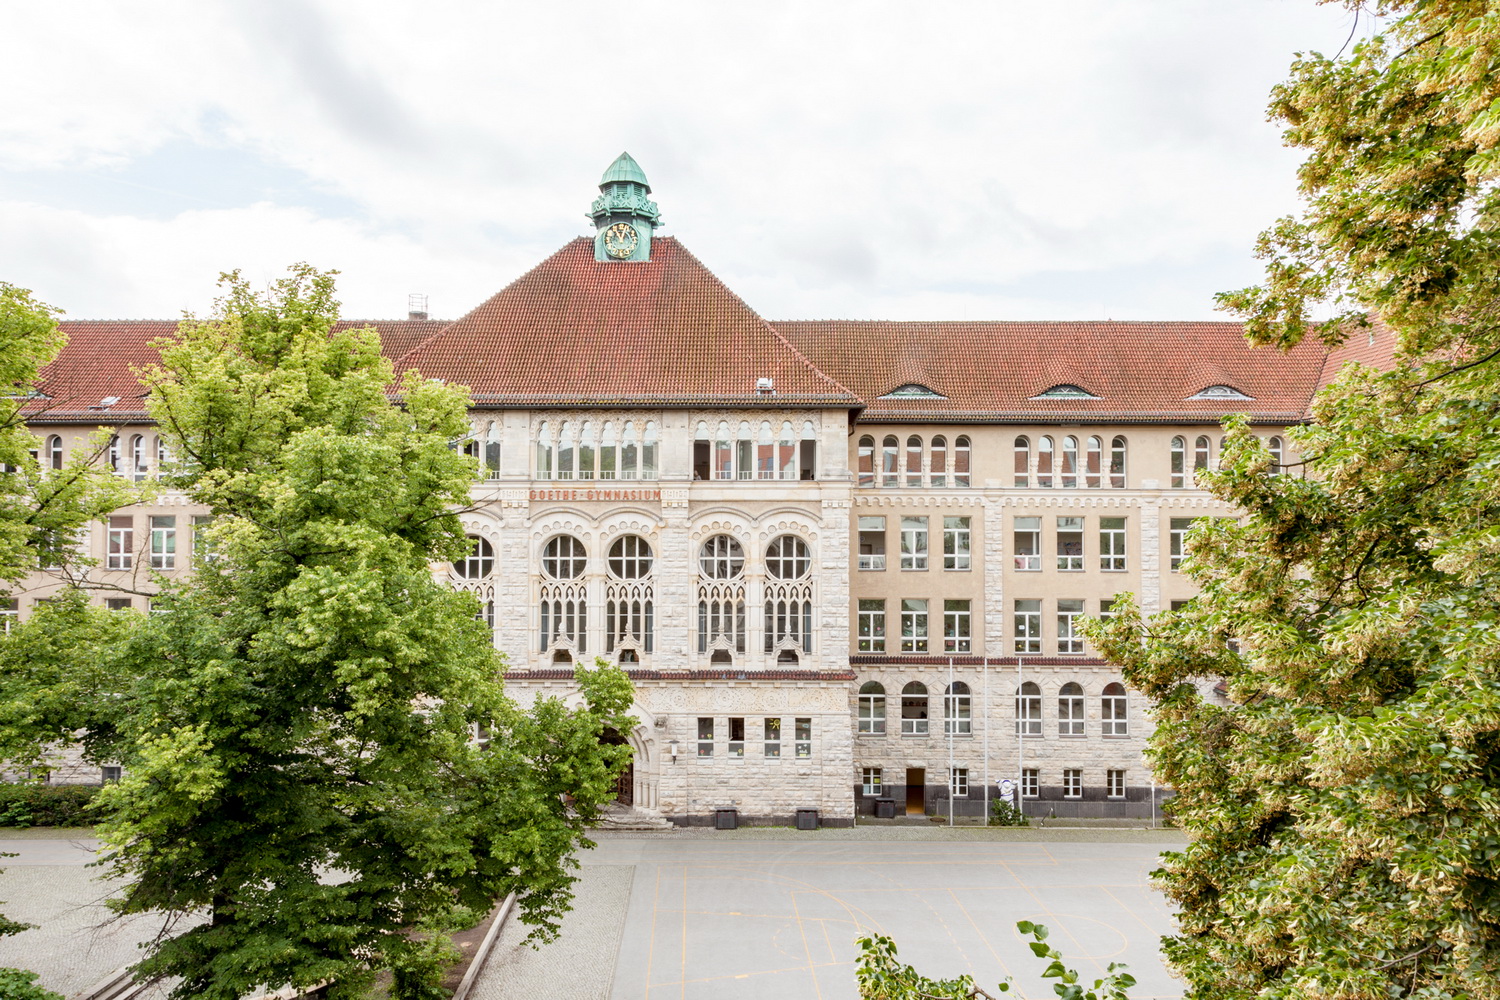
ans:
x=1020 y=785
x=1153 y=802
x=986 y=741
x=950 y=701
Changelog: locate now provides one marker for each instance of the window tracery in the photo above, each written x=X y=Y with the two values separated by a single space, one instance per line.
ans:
x=721 y=597
x=629 y=596
x=564 y=597
x=788 y=595
x=590 y=449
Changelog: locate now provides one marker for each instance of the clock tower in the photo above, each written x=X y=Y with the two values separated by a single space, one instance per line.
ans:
x=623 y=214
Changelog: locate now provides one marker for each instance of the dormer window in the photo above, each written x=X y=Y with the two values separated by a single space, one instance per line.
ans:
x=1220 y=392
x=913 y=391
x=1065 y=391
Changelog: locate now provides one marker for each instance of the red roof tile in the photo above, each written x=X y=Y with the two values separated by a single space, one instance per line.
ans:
x=576 y=331
x=993 y=370
x=98 y=359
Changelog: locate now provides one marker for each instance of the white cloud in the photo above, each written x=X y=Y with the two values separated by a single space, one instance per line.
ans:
x=856 y=159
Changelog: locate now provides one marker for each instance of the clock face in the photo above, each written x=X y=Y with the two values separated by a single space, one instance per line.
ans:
x=620 y=240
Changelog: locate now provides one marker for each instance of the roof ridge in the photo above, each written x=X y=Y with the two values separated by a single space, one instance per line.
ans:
x=780 y=337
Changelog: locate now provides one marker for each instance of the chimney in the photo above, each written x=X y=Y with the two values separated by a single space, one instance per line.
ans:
x=416 y=306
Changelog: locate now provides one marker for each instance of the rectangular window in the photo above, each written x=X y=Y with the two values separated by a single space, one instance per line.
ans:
x=10 y=614
x=705 y=737
x=869 y=780
x=736 y=737
x=773 y=737
x=955 y=543
x=1070 y=543
x=958 y=781
x=1031 y=782
x=1028 y=543
x=872 y=543
x=164 y=541
x=914 y=543
x=871 y=625
x=1106 y=609
x=118 y=603
x=803 y=737
x=913 y=626
x=1068 y=638
x=121 y=542
x=1028 y=626
x=957 y=622
x=1177 y=540
x=1114 y=784
x=1072 y=783
x=203 y=551
x=1112 y=543
x=109 y=774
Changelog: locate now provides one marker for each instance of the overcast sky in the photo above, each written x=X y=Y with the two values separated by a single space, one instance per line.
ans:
x=945 y=160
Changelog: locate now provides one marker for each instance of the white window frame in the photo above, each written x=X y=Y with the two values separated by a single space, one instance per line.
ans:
x=1073 y=526
x=871 y=718
x=705 y=736
x=913 y=543
x=1069 y=639
x=871 y=530
x=772 y=731
x=802 y=737
x=915 y=634
x=1027 y=624
x=1029 y=710
x=957 y=540
x=1031 y=529
x=958 y=710
x=915 y=725
x=958 y=781
x=1114 y=710
x=958 y=626
x=120 y=542
x=1114 y=784
x=870 y=781
x=1072 y=778
x=736 y=746
x=164 y=542
x=870 y=625
x=1031 y=782
x=1071 y=710
x=1177 y=530
x=1112 y=553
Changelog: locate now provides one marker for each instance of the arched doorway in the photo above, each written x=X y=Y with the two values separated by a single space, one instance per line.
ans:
x=625 y=782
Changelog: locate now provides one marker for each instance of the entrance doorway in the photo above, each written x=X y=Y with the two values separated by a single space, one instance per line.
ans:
x=625 y=781
x=916 y=791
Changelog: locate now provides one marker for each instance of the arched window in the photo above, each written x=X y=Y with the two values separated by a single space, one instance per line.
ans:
x=1028 y=710
x=957 y=711
x=1201 y=454
x=55 y=452
x=630 y=456
x=1069 y=477
x=866 y=461
x=163 y=453
x=1070 y=710
x=1117 y=462
x=479 y=563
x=889 y=457
x=807 y=455
x=1179 y=462
x=788 y=594
x=630 y=558
x=744 y=451
x=1114 y=710
x=787 y=558
x=1023 y=462
x=721 y=598
x=564 y=558
x=1223 y=442
x=138 y=467
x=629 y=605
x=1093 y=463
x=648 y=451
x=609 y=452
x=543 y=451
x=723 y=452
x=586 y=450
x=1044 y=461
x=565 y=451
x=961 y=462
x=721 y=558
x=787 y=447
x=872 y=707
x=938 y=462
x=765 y=453
x=914 y=709
x=114 y=453
x=913 y=461
x=1273 y=445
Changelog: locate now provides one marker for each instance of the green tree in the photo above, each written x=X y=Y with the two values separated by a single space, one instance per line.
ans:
x=300 y=773
x=1344 y=808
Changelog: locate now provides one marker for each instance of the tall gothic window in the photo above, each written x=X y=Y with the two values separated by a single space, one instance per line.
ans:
x=889 y=452
x=55 y=451
x=788 y=625
x=564 y=602
x=583 y=449
x=1093 y=463
x=961 y=462
x=1179 y=462
x=1069 y=463
x=1117 y=463
x=629 y=609
x=1023 y=462
x=1044 y=461
x=473 y=573
x=865 y=461
x=721 y=597
x=913 y=461
x=939 y=462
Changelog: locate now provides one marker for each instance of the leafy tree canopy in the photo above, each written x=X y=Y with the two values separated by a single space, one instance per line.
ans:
x=1344 y=808
x=296 y=720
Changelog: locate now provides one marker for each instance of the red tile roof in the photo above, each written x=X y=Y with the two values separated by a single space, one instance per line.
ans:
x=576 y=331
x=100 y=354
x=993 y=370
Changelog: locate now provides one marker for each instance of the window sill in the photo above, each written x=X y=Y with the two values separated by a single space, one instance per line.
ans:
x=1072 y=736
x=1114 y=736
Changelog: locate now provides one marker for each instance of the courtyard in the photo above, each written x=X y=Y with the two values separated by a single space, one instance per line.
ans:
x=752 y=913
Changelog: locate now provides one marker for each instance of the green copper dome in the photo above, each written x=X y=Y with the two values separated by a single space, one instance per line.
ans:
x=625 y=169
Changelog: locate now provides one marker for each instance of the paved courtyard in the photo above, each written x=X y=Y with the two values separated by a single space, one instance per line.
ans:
x=753 y=913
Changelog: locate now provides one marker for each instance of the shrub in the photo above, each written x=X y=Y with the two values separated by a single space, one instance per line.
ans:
x=18 y=984
x=1002 y=813
x=26 y=804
